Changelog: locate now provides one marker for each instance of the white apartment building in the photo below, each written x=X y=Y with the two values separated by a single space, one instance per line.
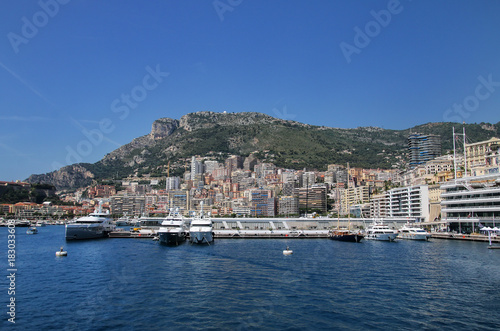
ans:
x=411 y=202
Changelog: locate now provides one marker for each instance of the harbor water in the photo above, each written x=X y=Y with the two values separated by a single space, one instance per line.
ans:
x=238 y=284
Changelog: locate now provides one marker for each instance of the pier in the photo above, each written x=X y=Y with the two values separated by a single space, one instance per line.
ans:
x=464 y=237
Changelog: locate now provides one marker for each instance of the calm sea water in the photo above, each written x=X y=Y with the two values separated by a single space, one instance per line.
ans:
x=137 y=284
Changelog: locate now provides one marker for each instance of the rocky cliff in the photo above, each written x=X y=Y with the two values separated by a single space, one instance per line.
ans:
x=288 y=144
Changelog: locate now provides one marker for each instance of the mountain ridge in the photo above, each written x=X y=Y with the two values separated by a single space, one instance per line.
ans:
x=286 y=143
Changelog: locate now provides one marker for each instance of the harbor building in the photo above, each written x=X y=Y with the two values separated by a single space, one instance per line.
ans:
x=378 y=206
x=483 y=157
x=470 y=201
x=411 y=202
x=423 y=148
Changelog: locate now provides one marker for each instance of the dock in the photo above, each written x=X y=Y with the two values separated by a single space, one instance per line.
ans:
x=130 y=234
x=464 y=237
x=238 y=234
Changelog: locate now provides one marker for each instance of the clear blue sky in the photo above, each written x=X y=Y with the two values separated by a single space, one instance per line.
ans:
x=64 y=68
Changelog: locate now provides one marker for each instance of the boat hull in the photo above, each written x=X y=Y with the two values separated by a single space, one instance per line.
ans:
x=409 y=236
x=171 y=238
x=79 y=232
x=201 y=237
x=382 y=236
x=351 y=237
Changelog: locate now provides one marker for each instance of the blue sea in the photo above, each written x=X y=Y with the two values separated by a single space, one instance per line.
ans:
x=238 y=284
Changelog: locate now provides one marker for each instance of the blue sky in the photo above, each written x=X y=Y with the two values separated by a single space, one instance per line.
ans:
x=81 y=78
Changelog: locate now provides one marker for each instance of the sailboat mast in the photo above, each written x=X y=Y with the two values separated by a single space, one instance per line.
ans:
x=465 y=156
x=348 y=204
x=454 y=155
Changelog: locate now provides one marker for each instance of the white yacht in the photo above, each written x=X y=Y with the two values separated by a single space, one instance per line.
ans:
x=173 y=229
x=201 y=229
x=124 y=220
x=380 y=231
x=96 y=225
x=413 y=233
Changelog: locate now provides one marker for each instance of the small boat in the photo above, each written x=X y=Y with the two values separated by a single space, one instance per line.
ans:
x=62 y=252
x=380 y=231
x=32 y=230
x=287 y=251
x=413 y=233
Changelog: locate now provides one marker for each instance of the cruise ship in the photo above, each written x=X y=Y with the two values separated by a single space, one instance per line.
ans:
x=471 y=202
x=96 y=225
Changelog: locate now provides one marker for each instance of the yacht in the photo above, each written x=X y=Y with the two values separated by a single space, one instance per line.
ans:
x=345 y=235
x=124 y=220
x=201 y=231
x=96 y=225
x=380 y=231
x=173 y=229
x=413 y=233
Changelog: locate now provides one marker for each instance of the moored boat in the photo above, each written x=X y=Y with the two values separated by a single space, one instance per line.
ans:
x=96 y=225
x=345 y=235
x=201 y=229
x=413 y=233
x=173 y=229
x=380 y=231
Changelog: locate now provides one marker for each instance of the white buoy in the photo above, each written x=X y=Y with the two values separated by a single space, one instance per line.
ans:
x=287 y=251
x=62 y=253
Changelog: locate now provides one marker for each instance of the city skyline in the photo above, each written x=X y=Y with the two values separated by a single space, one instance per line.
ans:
x=70 y=67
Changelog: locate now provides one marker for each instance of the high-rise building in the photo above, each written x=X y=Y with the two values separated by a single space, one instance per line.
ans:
x=312 y=198
x=423 y=148
x=262 y=204
x=211 y=165
x=173 y=183
x=288 y=205
x=196 y=168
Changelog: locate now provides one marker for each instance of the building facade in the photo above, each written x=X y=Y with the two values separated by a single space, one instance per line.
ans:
x=411 y=202
x=423 y=148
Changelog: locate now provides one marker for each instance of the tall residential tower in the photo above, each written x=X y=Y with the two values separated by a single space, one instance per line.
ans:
x=423 y=148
